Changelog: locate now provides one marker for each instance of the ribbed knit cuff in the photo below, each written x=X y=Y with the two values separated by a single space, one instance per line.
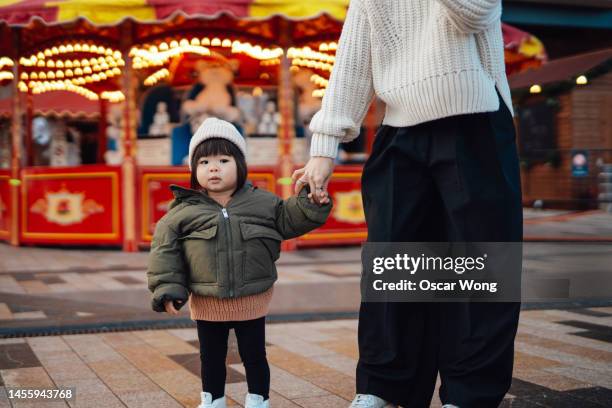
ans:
x=324 y=145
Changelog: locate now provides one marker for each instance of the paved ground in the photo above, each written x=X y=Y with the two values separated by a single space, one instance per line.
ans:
x=562 y=359
x=563 y=352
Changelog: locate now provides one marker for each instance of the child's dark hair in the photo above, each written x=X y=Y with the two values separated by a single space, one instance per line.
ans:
x=215 y=146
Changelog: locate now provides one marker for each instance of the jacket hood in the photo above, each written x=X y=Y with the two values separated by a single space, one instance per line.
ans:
x=184 y=194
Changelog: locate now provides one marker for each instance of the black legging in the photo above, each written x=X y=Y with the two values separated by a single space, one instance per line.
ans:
x=251 y=335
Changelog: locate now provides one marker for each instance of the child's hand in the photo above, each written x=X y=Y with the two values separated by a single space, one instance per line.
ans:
x=169 y=306
x=323 y=198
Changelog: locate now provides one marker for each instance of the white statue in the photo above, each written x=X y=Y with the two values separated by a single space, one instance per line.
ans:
x=161 y=121
x=270 y=120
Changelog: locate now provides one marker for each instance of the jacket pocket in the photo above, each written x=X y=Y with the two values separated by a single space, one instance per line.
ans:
x=261 y=250
x=200 y=249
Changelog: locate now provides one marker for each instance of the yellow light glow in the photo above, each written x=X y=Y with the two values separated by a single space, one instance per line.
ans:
x=163 y=46
x=226 y=43
x=215 y=42
x=195 y=41
x=205 y=41
x=582 y=80
x=535 y=89
x=59 y=64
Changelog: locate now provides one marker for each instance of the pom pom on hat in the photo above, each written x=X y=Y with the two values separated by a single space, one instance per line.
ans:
x=216 y=128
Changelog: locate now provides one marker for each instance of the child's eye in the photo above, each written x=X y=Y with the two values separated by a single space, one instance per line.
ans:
x=204 y=162
x=224 y=161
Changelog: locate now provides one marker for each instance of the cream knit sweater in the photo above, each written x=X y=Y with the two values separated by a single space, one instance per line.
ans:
x=426 y=59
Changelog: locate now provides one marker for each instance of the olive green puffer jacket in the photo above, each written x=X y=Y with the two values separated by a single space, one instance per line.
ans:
x=201 y=247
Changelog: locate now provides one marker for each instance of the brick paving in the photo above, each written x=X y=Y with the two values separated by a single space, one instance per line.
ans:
x=563 y=358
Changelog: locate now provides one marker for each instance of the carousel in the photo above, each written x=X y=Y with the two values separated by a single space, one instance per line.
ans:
x=98 y=101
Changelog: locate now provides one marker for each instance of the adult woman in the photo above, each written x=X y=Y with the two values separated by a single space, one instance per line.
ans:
x=447 y=155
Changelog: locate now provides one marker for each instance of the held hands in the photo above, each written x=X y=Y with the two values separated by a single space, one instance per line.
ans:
x=170 y=309
x=316 y=174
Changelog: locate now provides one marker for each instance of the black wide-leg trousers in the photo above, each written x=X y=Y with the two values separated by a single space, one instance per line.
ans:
x=452 y=179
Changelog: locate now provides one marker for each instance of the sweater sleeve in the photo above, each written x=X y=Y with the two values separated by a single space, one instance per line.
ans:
x=350 y=87
x=472 y=16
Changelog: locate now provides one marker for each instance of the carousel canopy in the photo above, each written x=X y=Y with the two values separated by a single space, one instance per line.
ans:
x=111 y=12
x=80 y=45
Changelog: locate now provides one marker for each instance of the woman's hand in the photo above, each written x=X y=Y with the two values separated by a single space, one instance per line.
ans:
x=316 y=174
x=169 y=306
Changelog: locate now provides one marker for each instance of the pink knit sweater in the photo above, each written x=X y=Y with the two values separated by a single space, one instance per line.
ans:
x=236 y=309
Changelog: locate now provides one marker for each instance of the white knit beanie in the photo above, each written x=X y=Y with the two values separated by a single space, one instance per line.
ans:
x=216 y=128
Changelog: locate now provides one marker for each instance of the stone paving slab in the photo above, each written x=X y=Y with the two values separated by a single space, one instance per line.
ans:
x=312 y=365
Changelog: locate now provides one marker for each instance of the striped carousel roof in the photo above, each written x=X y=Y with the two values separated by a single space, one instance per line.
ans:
x=110 y=12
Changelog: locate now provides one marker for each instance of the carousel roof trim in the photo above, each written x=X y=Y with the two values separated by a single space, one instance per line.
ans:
x=33 y=18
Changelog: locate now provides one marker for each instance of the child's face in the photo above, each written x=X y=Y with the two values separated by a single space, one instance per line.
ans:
x=217 y=173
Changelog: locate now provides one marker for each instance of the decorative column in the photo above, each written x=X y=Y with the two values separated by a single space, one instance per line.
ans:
x=16 y=145
x=101 y=132
x=128 y=166
x=286 y=132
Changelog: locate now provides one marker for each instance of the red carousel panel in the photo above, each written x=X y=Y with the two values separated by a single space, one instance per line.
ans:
x=5 y=202
x=71 y=205
x=155 y=194
x=346 y=223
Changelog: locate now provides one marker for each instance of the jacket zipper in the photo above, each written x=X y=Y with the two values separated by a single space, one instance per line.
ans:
x=230 y=259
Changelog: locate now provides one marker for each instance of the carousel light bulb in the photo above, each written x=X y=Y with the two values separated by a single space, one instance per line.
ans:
x=109 y=73
x=215 y=42
x=69 y=48
x=76 y=63
x=85 y=47
x=47 y=53
x=40 y=56
x=62 y=49
x=59 y=74
x=87 y=70
x=257 y=91
x=77 y=47
x=93 y=49
x=96 y=77
x=333 y=46
x=121 y=63
x=104 y=66
x=31 y=85
x=236 y=43
x=69 y=72
x=50 y=75
x=535 y=89
x=84 y=63
x=163 y=46
x=226 y=43
x=582 y=80
x=195 y=41
x=116 y=71
x=50 y=64
x=102 y=76
x=205 y=41
x=101 y=49
x=88 y=79
x=323 y=47
x=24 y=75
x=33 y=75
x=153 y=49
x=68 y=64
x=78 y=72
x=100 y=60
x=42 y=75
x=184 y=42
x=59 y=64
